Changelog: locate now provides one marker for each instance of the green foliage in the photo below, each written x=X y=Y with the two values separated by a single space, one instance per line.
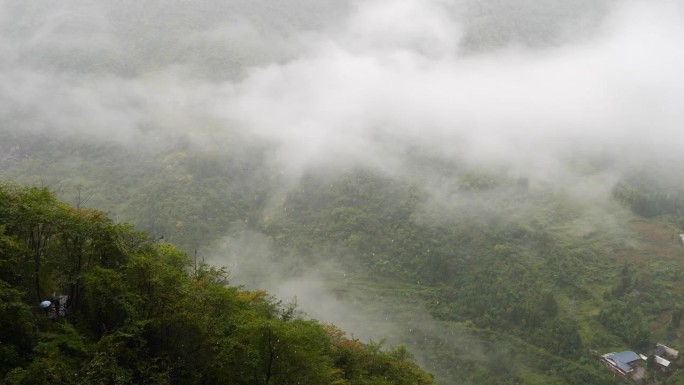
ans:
x=358 y=363
x=627 y=321
x=283 y=352
x=58 y=355
x=110 y=302
x=140 y=313
x=560 y=336
x=676 y=317
x=528 y=262
x=170 y=190
x=649 y=193
x=493 y=255
x=16 y=328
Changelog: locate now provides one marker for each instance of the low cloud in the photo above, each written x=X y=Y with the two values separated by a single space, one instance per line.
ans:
x=355 y=82
x=357 y=90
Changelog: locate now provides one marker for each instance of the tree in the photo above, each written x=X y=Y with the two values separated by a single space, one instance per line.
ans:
x=626 y=321
x=33 y=219
x=287 y=352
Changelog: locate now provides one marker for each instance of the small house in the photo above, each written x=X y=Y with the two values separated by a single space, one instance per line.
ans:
x=622 y=363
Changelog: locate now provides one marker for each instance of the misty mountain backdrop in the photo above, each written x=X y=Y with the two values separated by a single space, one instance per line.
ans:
x=493 y=184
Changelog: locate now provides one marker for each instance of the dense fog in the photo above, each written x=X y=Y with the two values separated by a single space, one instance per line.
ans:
x=352 y=81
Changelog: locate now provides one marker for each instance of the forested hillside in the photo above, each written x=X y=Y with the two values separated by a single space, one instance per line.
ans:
x=139 y=311
x=501 y=268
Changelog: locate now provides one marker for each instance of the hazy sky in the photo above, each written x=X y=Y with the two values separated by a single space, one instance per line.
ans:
x=505 y=81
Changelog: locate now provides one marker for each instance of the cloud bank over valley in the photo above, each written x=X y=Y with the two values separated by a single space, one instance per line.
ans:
x=352 y=81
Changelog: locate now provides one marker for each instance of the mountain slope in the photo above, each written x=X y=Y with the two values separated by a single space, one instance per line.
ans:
x=128 y=310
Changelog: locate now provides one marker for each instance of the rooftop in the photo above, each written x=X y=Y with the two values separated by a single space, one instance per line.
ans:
x=661 y=361
x=623 y=360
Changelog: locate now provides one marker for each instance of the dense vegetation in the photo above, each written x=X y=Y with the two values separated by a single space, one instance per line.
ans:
x=167 y=189
x=142 y=312
x=497 y=267
x=487 y=276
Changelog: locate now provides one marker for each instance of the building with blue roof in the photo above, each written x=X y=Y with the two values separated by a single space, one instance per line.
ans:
x=622 y=363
